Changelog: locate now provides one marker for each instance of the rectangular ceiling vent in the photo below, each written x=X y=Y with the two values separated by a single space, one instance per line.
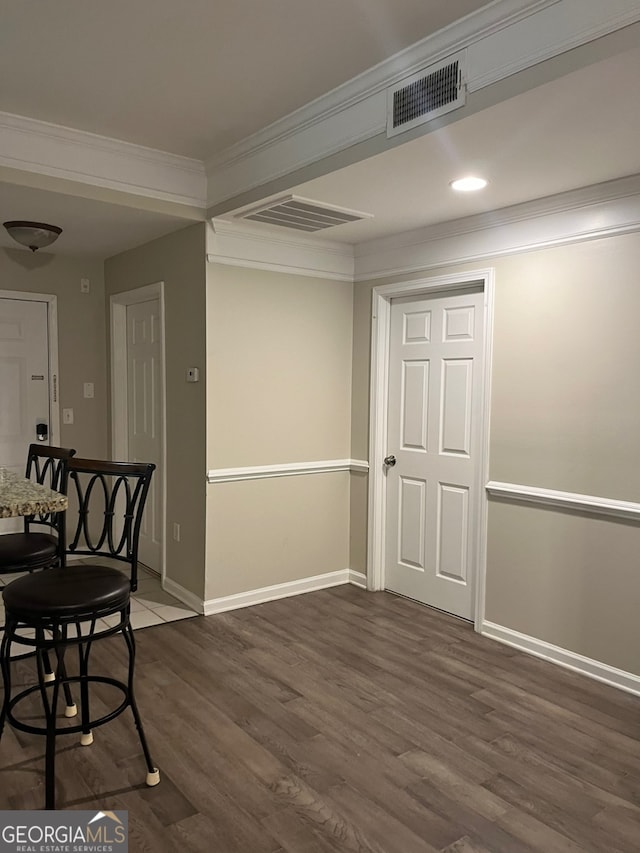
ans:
x=290 y=211
x=432 y=92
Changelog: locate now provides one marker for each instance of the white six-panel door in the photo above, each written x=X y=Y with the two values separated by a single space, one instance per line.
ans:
x=24 y=383
x=144 y=406
x=435 y=368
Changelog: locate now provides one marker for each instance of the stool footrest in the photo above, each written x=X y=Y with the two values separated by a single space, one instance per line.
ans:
x=68 y=730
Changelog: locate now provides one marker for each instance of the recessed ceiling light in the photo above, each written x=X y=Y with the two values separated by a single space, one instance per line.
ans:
x=468 y=184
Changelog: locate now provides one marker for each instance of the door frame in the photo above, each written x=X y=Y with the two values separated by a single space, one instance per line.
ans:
x=52 y=343
x=379 y=395
x=118 y=303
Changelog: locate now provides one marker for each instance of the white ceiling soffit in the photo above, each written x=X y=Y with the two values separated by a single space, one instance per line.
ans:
x=501 y=39
x=301 y=214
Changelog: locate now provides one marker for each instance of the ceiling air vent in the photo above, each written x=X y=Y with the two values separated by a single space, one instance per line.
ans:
x=431 y=92
x=289 y=211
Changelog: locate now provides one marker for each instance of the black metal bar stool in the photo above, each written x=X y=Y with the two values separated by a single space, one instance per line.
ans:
x=41 y=544
x=64 y=605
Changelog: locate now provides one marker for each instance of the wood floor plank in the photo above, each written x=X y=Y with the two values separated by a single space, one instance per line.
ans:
x=343 y=720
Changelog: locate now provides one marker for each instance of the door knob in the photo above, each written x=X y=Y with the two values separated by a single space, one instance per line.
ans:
x=390 y=461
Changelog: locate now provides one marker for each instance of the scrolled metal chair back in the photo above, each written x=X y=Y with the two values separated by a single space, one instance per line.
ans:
x=111 y=498
x=48 y=466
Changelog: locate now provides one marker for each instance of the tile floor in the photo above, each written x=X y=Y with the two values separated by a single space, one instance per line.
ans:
x=150 y=604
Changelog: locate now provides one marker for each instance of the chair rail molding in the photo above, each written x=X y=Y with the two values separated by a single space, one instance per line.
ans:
x=289 y=469
x=564 y=500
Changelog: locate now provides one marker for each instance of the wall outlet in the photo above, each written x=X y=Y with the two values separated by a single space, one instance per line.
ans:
x=88 y=390
x=67 y=416
x=176 y=531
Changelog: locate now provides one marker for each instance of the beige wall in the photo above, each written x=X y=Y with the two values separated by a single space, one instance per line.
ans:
x=179 y=261
x=279 y=391
x=567 y=578
x=564 y=413
x=81 y=337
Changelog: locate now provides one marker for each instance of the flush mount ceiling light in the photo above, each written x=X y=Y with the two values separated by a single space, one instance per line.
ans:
x=35 y=235
x=468 y=184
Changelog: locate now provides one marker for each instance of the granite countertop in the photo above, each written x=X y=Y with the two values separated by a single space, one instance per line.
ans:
x=19 y=496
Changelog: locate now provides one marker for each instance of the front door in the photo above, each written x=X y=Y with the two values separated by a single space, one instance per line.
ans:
x=145 y=408
x=435 y=397
x=24 y=384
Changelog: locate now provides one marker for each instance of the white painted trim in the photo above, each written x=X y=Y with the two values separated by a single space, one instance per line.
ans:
x=277 y=591
x=501 y=39
x=63 y=152
x=556 y=28
x=485 y=426
x=288 y=469
x=597 y=670
x=183 y=595
x=270 y=248
x=603 y=210
x=118 y=303
x=358 y=579
x=565 y=500
x=381 y=315
x=54 y=372
x=268 y=593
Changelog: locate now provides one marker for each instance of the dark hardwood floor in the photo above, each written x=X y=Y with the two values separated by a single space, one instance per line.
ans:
x=348 y=721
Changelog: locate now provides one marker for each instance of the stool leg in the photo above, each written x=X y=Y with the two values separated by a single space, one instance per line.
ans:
x=153 y=774
x=5 y=662
x=49 y=674
x=50 y=710
x=86 y=738
x=61 y=670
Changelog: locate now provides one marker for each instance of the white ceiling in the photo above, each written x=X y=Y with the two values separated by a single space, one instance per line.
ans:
x=579 y=130
x=88 y=226
x=196 y=76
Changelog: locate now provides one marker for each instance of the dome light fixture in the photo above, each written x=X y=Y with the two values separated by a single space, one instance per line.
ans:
x=34 y=235
x=468 y=184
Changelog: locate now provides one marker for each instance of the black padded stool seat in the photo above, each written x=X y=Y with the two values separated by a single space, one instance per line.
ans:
x=22 y=552
x=76 y=593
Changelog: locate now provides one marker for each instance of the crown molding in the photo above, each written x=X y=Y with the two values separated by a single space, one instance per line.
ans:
x=376 y=79
x=501 y=39
x=265 y=248
x=601 y=210
x=34 y=146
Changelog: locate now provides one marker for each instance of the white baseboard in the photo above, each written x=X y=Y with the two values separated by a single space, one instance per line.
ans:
x=184 y=595
x=358 y=579
x=282 y=590
x=562 y=657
